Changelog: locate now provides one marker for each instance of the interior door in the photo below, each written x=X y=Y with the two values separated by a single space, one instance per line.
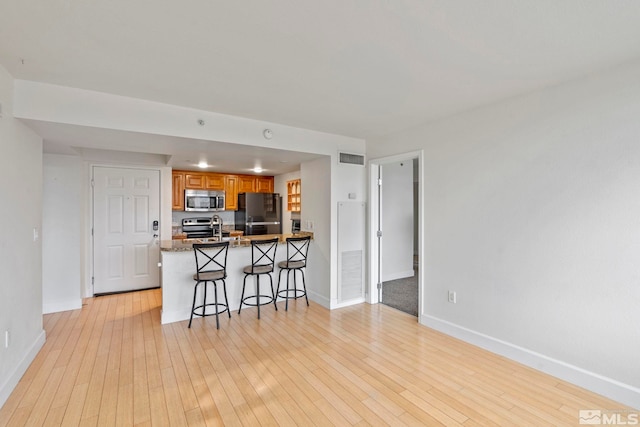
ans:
x=126 y=212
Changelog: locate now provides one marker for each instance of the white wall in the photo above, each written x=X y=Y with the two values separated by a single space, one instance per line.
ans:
x=61 y=228
x=20 y=255
x=317 y=211
x=532 y=214
x=397 y=220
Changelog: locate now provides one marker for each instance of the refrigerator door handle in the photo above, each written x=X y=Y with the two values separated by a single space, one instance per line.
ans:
x=265 y=223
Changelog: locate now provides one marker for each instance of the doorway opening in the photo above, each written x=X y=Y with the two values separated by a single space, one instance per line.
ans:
x=395 y=232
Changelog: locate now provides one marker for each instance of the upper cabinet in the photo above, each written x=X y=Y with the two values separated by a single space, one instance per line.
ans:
x=264 y=184
x=231 y=192
x=214 y=181
x=194 y=181
x=293 y=195
x=177 y=191
x=231 y=184
x=246 y=184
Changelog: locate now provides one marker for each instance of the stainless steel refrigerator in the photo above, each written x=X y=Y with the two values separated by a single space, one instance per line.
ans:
x=259 y=213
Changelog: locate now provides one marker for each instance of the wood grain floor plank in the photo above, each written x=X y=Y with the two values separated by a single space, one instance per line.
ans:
x=113 y=363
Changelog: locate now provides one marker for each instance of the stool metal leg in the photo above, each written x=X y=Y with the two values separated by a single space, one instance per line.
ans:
x=272 y=293
x=304 y=286
x=215 y=298
x=258 y=293
x=226 y=300
x=193 y=306
x=244 y=283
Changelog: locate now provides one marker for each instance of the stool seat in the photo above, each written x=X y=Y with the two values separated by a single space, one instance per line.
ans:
x=260 y=269
x=291 y=264
x=210 y=275
x=263 y=255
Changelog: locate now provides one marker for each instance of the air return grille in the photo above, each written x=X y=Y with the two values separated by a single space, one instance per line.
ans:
x=352 y=159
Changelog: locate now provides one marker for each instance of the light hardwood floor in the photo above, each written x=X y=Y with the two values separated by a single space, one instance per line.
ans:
x=113 y=363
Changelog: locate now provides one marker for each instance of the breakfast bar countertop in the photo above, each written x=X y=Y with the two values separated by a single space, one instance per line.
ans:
x=234 y=242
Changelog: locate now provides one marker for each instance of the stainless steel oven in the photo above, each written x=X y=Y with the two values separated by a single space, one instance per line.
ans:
x=204 y=201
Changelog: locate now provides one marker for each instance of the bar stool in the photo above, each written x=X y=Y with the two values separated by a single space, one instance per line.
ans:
x=211 y=266
x=297 y=248
x=263 y=255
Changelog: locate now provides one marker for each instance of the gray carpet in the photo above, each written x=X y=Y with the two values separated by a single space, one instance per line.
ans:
x=402 y=294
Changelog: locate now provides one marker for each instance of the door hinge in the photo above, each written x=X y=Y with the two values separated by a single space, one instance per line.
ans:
x=379 y=285
x=93 y=280
x=379 y=233
x=379 y=182
x=92 y=232
x=93 y=183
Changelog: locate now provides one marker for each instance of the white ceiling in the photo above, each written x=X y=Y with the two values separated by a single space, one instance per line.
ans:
x=361 y=68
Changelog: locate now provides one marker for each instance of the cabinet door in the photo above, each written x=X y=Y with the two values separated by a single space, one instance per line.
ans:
x=246 y=184
x=214 y=181
x=194 y=181
x=231 y=192
x=177 y=191
x=264 y=184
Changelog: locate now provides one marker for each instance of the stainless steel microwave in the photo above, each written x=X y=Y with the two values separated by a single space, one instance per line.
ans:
x=203 y=200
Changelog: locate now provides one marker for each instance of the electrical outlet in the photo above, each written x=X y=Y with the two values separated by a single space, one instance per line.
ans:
x=452 y=297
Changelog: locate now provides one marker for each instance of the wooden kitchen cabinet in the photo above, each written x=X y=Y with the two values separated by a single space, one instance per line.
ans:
x=214 y=181
x=231 y=192
x=194 y=181
x=264 y=184
x=246 y=184
x=293 y=195
x=177 y=191
x=230 y=183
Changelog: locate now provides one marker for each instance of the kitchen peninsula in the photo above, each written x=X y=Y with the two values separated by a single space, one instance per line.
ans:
x=178 y=267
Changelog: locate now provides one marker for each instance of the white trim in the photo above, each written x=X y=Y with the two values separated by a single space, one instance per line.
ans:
x=613 y=389
x=320 y=299
x=349 y=303
x=371 y=290
x=14 y=377
x=61 y=305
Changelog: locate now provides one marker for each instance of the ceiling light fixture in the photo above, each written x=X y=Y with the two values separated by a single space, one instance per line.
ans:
x=258 y=169
x=203 y=165
x=267 y=133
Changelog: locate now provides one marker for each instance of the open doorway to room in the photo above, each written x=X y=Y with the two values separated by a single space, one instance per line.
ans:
x=395 y=219
x=400 y=235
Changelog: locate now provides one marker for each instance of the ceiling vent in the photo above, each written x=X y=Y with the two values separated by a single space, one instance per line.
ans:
x=352 y=159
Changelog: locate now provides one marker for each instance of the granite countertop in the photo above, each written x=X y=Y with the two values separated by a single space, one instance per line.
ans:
x=243 y=241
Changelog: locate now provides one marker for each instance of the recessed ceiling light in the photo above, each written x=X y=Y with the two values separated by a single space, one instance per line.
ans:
x=203 y=165
x=257 y=169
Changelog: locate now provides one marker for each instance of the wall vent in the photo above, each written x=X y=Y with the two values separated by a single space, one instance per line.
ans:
x=352 y=159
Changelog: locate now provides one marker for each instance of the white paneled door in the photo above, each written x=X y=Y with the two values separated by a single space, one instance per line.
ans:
x=126 y=213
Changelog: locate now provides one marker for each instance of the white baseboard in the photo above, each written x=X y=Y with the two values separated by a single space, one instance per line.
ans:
x=18 y=372
x=61 y=305
x=613 y=389
x=347 y=303
x=319 y=299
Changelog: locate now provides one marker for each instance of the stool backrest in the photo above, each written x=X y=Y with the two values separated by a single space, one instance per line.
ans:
x=211 y=257
x=297 y=249
x=263 y=252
